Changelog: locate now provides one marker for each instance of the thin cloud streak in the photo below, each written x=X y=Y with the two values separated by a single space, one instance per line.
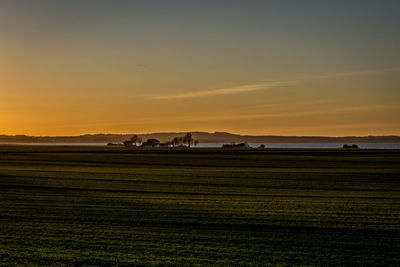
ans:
x=350 y=73
x=185 y=119
x=290 y=114
x=350 y=126
x=264 y=86
x=227 y=91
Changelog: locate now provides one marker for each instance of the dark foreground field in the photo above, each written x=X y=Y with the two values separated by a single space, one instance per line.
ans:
x=110 y=205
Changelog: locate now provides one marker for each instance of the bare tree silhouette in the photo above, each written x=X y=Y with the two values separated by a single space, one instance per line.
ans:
x=188 y=139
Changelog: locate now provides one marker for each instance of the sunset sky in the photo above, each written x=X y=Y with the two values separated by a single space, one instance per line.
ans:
x=248 y=67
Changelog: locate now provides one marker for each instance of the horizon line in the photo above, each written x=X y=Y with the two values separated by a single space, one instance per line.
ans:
x=183 y=132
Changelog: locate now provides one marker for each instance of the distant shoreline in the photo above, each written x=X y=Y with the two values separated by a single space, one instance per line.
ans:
x=252 y=145
x=203 y=137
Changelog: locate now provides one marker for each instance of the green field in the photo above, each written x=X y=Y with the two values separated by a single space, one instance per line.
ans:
x=119 y=206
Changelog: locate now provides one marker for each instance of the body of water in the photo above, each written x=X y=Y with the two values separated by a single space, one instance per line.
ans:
x=316 y=145
x=56 y=144
x=267 y=145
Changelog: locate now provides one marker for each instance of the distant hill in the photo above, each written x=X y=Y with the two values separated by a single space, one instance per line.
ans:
x=203 y=137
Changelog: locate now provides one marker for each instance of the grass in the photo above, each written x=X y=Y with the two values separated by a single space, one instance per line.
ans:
x=117 y=206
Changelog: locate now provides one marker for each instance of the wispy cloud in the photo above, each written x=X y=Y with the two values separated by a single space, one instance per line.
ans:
x=292 y=114
x=273 y=84
x=350 y=73
x=227 y=91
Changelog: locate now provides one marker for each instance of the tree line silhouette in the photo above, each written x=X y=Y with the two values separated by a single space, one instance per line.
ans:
x=179 y=141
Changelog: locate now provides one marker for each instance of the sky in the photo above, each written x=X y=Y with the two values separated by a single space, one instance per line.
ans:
x=282 y=67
